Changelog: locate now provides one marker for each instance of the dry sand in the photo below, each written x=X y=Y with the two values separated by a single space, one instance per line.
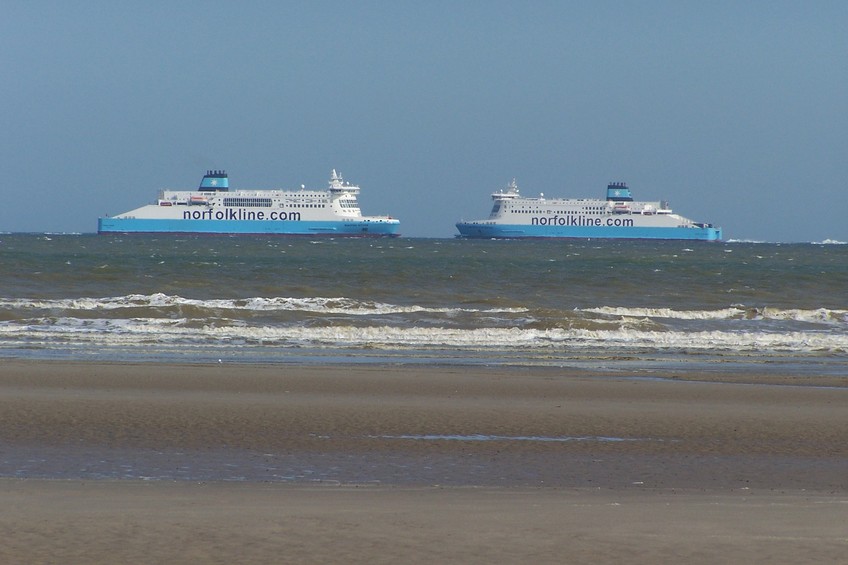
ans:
x=751 y=470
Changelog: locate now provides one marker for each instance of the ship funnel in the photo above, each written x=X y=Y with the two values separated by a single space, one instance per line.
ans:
x=618 y=192
x=215 y=180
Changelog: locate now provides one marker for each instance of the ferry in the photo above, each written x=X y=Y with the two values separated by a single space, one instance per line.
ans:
x=214 y=209
x=617 y=217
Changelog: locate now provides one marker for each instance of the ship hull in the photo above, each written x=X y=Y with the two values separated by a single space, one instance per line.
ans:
x=475 y=230
x=352 y=228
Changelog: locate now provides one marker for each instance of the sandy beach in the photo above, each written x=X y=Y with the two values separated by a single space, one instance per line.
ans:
x=146 y=463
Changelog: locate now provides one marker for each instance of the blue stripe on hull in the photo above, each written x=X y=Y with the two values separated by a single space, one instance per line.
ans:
x=354 y=228
x=515 y=231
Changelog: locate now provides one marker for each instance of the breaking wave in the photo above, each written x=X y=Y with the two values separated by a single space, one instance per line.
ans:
x=819 y=315
x=157 y=331
x=354 y=307
x=339 y=305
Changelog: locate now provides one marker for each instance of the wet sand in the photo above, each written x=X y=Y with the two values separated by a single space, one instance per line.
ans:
x=420 y=464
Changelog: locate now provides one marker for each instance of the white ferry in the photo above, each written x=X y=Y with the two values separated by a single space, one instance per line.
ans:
x=214 y=209
x=617 y=217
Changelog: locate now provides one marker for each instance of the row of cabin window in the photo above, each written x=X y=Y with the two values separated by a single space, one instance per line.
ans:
x=598 y=210
x=262 y=203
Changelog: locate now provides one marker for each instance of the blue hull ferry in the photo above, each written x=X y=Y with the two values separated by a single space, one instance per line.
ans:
x=214 y=209
x=617 y=217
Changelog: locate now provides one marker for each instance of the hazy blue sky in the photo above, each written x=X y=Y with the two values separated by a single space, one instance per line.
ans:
x=736 y=112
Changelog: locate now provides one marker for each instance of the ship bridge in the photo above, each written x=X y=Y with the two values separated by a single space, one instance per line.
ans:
x=509 y=193
x=338 y=186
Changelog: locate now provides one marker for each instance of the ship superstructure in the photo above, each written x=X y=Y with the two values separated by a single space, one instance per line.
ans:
x=214 y=209
x=616 y=217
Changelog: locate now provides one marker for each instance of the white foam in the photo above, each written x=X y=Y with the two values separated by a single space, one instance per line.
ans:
x=819 y=315
x=353 y=307
x=338 y=305
x=628 y=312
x=165 y=332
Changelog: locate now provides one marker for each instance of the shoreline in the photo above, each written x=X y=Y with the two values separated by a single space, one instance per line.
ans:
x=715 y=373
x=418 y=425
x=387 y=464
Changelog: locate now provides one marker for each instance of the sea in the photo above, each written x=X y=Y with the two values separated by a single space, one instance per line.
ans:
x=620 y=307
x=587 y=304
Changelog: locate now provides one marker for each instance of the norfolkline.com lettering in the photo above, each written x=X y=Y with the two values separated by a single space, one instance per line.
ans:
x=240 y=214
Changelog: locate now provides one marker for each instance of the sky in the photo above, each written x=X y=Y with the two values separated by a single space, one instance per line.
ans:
x=736 y=112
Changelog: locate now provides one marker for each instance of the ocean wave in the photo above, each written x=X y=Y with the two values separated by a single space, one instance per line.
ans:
x=198 y=308
x=814 y=316
x=177 y=332
x=338 y=305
